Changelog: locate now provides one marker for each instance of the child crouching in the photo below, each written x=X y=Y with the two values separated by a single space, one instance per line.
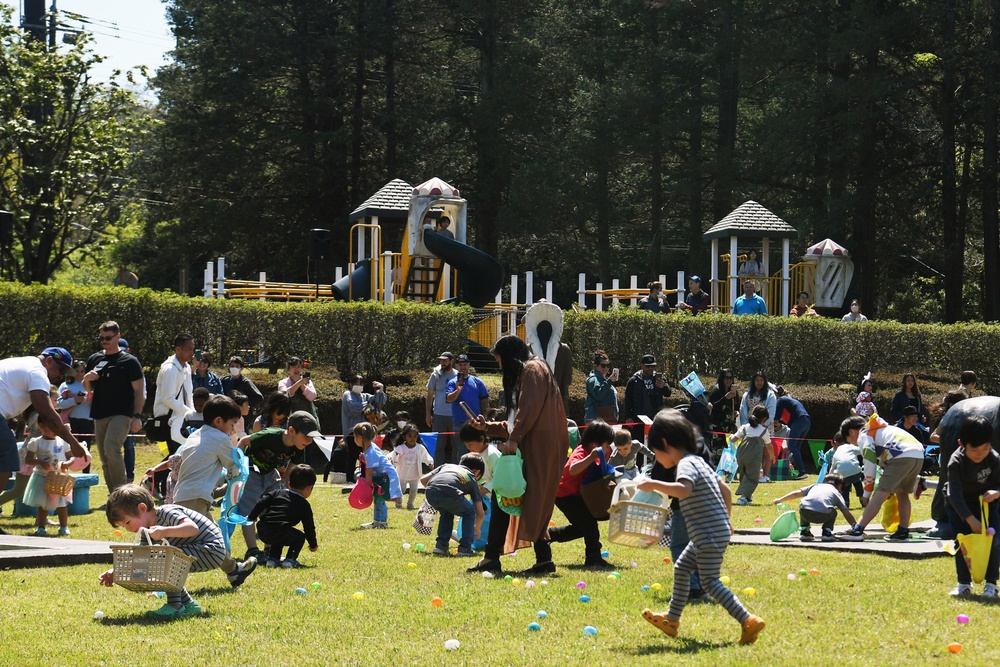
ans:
x=279 y=512
x=447 y=485
x=133 y=508
x=820 y=503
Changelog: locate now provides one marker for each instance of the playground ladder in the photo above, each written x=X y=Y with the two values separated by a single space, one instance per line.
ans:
x=423 y=279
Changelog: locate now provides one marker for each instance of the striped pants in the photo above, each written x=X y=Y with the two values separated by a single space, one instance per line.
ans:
x=707 y=561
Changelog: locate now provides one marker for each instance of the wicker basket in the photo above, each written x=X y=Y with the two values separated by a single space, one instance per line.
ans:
x=143 y=568
x=59 y=483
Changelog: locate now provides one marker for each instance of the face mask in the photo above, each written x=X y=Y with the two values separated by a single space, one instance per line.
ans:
x=235 y=371
x=356 y=389
x=400 y=424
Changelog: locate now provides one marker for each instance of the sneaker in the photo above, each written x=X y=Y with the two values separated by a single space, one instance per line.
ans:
x=64 y=531
x=290 y=563
x=806 y=536
x=40 y=532
x=438 y=551
x=598 y=564
x=410 y=507
x=901 y=535
x=465 y=553
x=990 y=591
x=828 y=536
x=751 y=628
x=921 y=487
x=243 y=570
x=271 y=562
x=399 y=506
x=374 y=524
x=492 y=566
x=743 y=501
x=941 y=532
x=166 y=611
x=855 y=534
x=192 y=608
x=548 y=567
x=765 y=480
x=801 y=476
x=963 y=590
x=253 y=552
x=660 y=620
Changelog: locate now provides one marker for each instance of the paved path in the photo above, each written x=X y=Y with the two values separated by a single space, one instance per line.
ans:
x=917 y=547
x=17 y=551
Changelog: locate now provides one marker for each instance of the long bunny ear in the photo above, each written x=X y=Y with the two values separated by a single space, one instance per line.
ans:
x=543 y=328
x=867 y=377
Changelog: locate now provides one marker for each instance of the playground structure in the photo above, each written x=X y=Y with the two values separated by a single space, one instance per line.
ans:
x=430 y=267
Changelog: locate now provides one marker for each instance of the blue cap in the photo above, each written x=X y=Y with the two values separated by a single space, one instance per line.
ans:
x=60 y=354
x=696 y=279
x=122 y=344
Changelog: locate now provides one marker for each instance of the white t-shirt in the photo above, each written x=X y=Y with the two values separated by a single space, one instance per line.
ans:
x=18 y=377
x=408 y=460
x=845 y=461
x=204 y=455
x=47 y=451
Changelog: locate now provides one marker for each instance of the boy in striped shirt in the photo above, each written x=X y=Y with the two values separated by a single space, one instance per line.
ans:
x=132 y=508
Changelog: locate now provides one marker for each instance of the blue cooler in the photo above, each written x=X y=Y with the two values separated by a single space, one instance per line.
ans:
x=81 y=497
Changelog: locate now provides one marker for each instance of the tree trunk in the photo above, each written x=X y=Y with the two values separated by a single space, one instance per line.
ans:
x=486 y=127
x=390 y=130
x=361 y=38
x=991 y=220
x=954 y=263
x=728 y=60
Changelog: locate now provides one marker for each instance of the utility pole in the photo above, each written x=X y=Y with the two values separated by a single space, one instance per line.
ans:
x=33 y=20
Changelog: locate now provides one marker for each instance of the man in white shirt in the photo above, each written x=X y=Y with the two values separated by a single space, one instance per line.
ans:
x=174 y=392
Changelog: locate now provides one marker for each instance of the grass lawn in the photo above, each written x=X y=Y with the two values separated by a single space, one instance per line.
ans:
x=861 y=609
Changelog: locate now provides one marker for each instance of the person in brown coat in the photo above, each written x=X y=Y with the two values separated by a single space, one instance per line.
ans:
x=537 y=427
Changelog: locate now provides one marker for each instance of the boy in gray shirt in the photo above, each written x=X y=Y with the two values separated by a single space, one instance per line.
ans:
x=820 y=503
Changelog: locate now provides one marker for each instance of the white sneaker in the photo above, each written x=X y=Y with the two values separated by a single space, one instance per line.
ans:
x=963 y=590
x=990 y=591
x=765 y=480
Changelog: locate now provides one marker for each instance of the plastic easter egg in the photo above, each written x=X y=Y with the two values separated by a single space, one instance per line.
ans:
x=529 y=584
x=991 y=531
x=584 y=598
x=725 y=580
x=814 y=572
x=118 y=532
x=437 y=602
x=666 y=559
x=406 y=545
x=962 y=619
x=507 y=577
x=359 y=596
x=487 y=575
x=749 y=591
x=542 y=613
x=791 y=576
x=645 y=588
x=633 y=564
x=612 y=577
x=552 y=524
x=757 y=520
x=301 y=591
x=605 y=554
x=98 y=615
x=616 y=575
x=581 y=584
x=452 y=645
x=803 y=571
x=590 y=631
x=316 y=584
x=954 y=647
x=656 y=587
x=411 y=565
x=534 y=627
x=515 y=581
x=543 y=582
x=420 y=547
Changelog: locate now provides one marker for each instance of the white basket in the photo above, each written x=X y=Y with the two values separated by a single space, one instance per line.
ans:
x=633 y=524
x=150 y=568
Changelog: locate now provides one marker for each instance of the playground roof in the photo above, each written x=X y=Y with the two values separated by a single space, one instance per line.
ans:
x=392 y=201
x=752 y=220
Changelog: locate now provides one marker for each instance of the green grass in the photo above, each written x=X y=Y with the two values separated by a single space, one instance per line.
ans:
x=861 y=609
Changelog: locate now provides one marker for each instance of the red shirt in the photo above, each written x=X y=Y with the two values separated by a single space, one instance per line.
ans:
x=569 y=485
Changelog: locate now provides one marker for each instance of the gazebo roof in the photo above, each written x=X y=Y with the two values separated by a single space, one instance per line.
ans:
x=751 y=220
x=827 y=247
x=435 y=186
x=392 y=201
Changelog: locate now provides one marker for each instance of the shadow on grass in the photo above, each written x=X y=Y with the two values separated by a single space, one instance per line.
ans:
x=141 y=619
x=679 y=646
x=211 y=591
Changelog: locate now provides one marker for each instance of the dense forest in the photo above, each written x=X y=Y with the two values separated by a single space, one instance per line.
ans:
x=603 y=136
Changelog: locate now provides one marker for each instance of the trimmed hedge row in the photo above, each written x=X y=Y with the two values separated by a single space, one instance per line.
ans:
x=363 y=337
x=815 y=351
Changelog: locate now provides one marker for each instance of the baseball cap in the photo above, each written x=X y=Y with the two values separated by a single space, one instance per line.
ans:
x=60 y=354
x=446 y=355
x=648 y=360
x=462 y=357
x=304 y=423
x=910 y=410
x=695 y=279
x=123 y=344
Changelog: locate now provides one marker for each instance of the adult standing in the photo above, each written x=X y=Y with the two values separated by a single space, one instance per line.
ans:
x=749 y=303
x=751 y=267
x=654 y=302
x=908 y=394
x=352 y=412
x=301 y=392
x=793 y=414
x=175 y=396
x=543 y=329
x=203 y=375
x=115 y=378
x=472 y=391
x=695 y=300
x=602 y=398
x=129 y=445
x=644 y=394
x=241 y=383
x=802 y=307
x=438 y=412
x=724 y=402
x=535 y=426
x=759 y=393
x=27 y=381
x=968 y=383
x=855 y=313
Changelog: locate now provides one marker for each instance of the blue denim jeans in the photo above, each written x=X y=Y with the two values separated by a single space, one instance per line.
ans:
x=449 y=506
x=795 y=440
x=381 y=510
x=678 y=541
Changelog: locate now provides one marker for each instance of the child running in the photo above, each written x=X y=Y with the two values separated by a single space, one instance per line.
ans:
x=705 y=502
x=752 y=438
x=132 y=508
x=624 y=453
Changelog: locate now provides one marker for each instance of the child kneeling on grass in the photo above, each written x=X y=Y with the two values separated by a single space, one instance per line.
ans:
x=820 y=503
x=132 y=508
x=277 y=514
x=706 y=502
x=446 y=488
x=974 y=475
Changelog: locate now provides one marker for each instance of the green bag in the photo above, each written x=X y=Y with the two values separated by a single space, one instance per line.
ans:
x=508 y=477
x=786 y=524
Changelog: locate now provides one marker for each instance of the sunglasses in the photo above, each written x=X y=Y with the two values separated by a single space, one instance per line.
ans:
x=107 y=338
x=603 y=365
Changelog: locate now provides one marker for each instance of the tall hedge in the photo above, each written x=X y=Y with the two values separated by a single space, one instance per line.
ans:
x=354 y=337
